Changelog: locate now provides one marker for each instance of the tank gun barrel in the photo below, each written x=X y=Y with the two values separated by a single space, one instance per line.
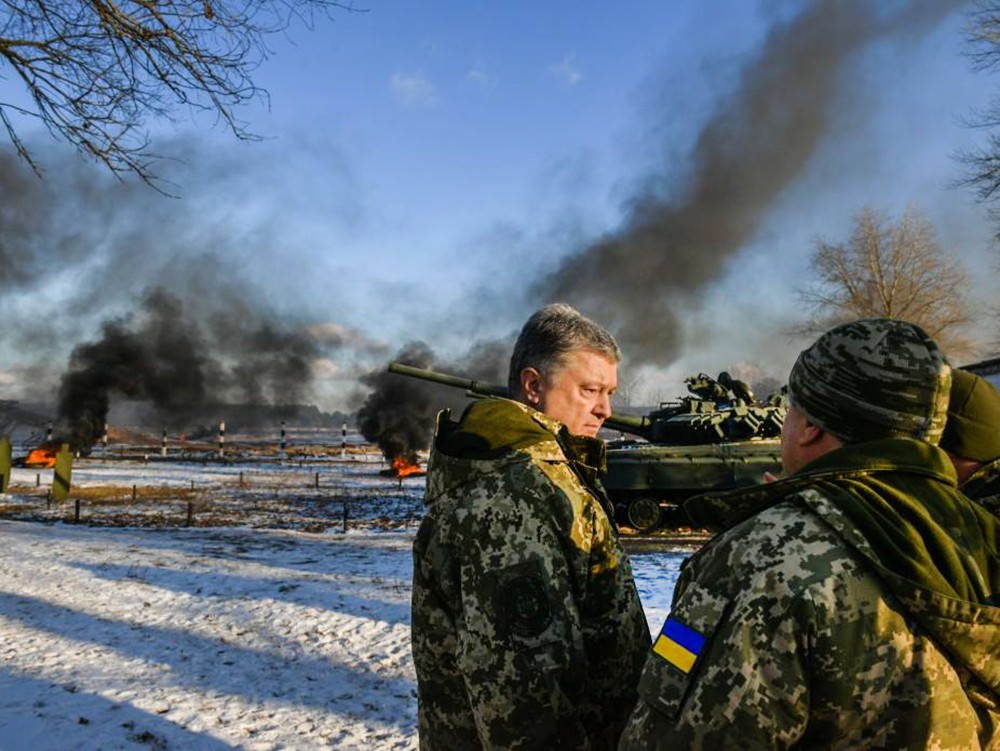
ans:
x=625 y=423
x=641 y=426
x=480 y=388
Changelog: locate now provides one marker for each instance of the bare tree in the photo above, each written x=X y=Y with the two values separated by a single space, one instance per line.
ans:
x=895 y=270
x=96 y=69
x=983 y=164
x=630 y=383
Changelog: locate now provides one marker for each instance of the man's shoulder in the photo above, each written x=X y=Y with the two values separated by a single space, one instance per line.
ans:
x=786 y=540
x=514 y=486
x=516 y=496
x=787 y=520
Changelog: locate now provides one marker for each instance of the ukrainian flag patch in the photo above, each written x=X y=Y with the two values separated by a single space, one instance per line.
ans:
x=679 y=645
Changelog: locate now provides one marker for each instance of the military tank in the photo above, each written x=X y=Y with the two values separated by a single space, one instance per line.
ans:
x=717 y=437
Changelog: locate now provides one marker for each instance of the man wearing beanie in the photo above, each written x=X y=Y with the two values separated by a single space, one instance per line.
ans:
x=854 y=603
x=972 y=438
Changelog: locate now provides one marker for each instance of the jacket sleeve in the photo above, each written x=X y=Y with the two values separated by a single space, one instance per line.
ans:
x=726 y=670
x=520 y=647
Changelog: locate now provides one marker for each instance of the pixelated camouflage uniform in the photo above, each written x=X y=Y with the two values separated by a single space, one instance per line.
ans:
x=838 y=613
x=983 y=486
x=527 y=627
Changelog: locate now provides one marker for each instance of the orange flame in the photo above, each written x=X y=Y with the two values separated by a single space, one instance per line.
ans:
x=405 y=468
x=42 y=457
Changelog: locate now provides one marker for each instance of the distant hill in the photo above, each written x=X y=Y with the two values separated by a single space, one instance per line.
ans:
x=237 y=417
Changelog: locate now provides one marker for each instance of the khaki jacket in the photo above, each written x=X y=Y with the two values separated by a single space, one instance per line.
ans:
x=527 y=627
x=854 y=607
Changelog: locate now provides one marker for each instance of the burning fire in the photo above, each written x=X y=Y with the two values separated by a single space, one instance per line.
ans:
x=404 y=467
x=43 y=457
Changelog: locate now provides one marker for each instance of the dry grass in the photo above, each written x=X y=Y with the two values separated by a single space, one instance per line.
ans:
x=108 y=494
x=114 y=493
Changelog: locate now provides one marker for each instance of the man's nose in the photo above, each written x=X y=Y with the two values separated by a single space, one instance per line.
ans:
x=602 y=408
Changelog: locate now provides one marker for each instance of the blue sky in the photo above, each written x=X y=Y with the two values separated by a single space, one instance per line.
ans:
x=425 y=165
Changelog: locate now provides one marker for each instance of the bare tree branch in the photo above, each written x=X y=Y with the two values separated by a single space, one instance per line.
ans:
x=96 y=70
x=890 y=270
x=982 y=165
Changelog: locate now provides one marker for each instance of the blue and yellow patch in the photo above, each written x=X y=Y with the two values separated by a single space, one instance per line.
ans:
x=679 y=645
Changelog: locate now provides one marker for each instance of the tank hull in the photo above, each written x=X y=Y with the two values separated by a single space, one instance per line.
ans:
x=644 y=477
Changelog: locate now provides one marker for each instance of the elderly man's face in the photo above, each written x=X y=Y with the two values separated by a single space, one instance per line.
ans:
x=578 y=394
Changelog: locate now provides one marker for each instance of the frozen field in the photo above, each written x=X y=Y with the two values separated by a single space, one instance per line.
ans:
x=310 y=494
x=218 y=637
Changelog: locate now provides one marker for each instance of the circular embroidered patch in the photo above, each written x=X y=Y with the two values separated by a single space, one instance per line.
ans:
x=526 y=606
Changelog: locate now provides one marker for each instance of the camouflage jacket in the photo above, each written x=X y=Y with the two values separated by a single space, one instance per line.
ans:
x=527 y=627
x=812 y=625
x=984 y=486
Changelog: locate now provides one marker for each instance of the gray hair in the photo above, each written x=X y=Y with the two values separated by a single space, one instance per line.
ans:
x=552 y=333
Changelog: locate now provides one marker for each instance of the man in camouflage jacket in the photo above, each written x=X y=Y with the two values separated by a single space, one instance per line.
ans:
x=972 y=438
x=527 y=627
x=853 y=604
x=983 y=486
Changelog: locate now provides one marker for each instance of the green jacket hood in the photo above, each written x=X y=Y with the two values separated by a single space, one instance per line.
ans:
x=492 y=427
x=494 y=433
x=939 y=555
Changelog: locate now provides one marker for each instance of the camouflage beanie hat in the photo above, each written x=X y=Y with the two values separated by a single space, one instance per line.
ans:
x=973 y=427
x=874 y=378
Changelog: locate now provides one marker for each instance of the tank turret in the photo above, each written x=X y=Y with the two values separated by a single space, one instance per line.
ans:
x=715 y=411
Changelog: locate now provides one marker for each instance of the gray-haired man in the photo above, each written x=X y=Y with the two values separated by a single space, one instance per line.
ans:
x=853 y=604
x=527 y=628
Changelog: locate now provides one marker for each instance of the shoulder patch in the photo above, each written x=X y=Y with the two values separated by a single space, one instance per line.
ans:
x=523 y=606
x=679 y=644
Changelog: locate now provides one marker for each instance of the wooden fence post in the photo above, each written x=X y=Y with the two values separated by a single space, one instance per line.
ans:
x=62 y=474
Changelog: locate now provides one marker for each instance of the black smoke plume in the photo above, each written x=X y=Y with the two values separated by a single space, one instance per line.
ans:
x=28 y=212
x=180 y=363
x=398 y=415
x=205 y=333
x=757 y=143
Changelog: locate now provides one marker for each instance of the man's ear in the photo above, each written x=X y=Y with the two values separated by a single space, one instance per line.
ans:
x=532 y=386
x=811 y=434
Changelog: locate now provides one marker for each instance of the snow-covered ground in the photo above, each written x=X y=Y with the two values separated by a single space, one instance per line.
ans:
x=306 y=495
x=217 y=637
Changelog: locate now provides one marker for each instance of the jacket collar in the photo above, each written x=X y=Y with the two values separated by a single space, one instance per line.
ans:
x=495 y=432
x=720 y=511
